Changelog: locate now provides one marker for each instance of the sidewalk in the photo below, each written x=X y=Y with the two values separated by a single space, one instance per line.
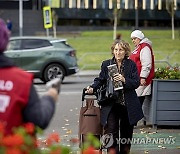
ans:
x=87 y=73
x=163 y=140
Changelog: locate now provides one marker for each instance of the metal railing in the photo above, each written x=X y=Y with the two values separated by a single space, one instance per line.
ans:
x=165 y=61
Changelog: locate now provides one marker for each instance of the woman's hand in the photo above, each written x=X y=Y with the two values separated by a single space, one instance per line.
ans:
x=143 y=82
x=89 y=90
x=119 y=77
x=53 y=93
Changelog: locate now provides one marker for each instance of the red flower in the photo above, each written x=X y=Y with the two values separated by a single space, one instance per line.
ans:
x=13 y=151
x=2 y=128
x=13 y=140
x=90 y=150
x=53 y=138
x=38 y=143
x=30 y=128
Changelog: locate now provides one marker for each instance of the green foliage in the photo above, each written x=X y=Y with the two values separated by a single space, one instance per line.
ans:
x=58 y=149
x=91 y=140
x=167 y=73
x=2 y=150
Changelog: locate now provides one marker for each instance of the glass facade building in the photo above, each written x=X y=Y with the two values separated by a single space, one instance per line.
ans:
x=100 y=12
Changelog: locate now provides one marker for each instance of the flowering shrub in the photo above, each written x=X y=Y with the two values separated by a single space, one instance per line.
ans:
x=167 y=73
x=23 y=141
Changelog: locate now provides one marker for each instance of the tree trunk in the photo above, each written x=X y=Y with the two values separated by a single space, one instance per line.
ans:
x=115 y=26
x=172 y=22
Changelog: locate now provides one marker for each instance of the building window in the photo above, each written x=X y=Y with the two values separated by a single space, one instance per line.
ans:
x=178 y=5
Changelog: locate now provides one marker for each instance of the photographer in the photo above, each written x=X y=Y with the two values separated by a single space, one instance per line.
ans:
x=19 y=100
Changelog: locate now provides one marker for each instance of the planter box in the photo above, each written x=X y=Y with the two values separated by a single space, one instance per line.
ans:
x=165 y=105
x=147 y=109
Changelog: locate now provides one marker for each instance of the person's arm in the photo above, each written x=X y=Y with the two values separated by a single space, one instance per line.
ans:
x=40 y=110
x=98 y=81
x=146 y=62
x=103 y=75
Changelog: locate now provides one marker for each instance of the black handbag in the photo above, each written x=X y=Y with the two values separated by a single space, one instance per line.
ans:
x=105 y=93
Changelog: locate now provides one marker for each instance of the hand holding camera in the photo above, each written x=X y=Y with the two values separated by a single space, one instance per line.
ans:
x=54 y=83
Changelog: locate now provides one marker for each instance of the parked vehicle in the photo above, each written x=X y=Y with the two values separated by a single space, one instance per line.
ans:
x=46 y=57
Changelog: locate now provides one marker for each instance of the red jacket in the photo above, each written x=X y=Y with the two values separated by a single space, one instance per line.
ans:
x=15 y=87
x=135 y=56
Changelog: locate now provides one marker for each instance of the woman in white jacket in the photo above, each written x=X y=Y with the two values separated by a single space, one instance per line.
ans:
x=143 y=56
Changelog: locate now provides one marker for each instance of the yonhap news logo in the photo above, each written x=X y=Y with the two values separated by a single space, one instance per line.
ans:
x=107 y=140
x=146 y=140
x=154 y=140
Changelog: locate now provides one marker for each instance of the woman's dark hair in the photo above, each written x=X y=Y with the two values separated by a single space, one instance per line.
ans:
x=124 y=45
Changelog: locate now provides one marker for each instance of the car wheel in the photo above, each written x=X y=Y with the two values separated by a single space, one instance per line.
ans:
x=53 y=71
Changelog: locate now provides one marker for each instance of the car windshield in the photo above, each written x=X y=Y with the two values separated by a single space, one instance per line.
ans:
x=14 y=45
x=62 y=44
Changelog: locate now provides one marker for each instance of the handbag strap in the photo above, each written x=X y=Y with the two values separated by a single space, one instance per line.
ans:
x=110 y=63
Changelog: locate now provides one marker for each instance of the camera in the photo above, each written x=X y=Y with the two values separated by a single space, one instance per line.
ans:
x=54 y=83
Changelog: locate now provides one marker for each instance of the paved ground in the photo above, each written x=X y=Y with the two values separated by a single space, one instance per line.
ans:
x=87 y=73
x=163 y=140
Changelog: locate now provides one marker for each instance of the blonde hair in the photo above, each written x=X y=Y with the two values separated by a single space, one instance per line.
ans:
x=124 y=45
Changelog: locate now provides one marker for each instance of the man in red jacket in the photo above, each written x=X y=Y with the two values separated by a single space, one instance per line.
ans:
x=19 y=101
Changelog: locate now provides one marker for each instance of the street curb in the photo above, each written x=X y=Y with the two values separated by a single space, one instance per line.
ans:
x=87 y=73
